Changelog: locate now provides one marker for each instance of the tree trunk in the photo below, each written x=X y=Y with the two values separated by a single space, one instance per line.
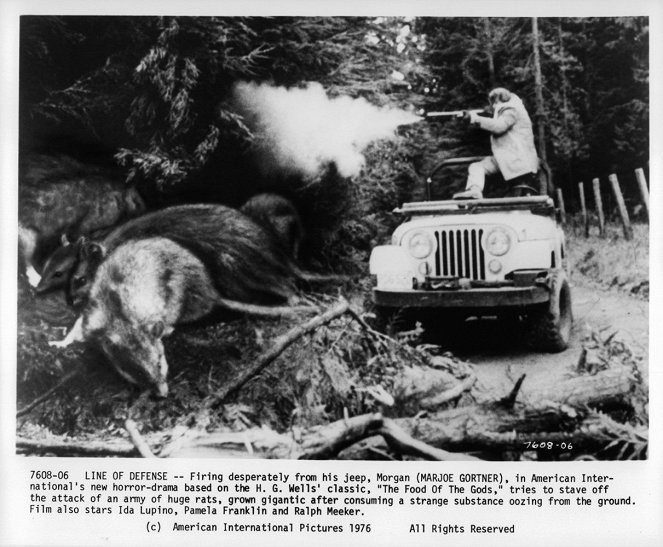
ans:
x=564 y=79
x=565 y=98
x=490 y=56
x=538 y=90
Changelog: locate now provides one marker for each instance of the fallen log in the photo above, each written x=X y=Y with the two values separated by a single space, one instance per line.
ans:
x=593 y=434
x=427 y=386
x=320 y=442
x=403 y=443
x=450 y=394
x=137 y=439
x=363 y=436
x=58 y=446
x=552 y=414
x=611 y=388
x=561 y=417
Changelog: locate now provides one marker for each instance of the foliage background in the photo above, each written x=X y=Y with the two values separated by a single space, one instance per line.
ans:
x=152 y=95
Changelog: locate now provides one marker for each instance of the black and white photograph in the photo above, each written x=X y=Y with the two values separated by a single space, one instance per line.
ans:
x=259 y=224
x=378 y=239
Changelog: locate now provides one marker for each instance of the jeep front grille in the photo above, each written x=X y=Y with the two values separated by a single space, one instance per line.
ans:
x=459 y=254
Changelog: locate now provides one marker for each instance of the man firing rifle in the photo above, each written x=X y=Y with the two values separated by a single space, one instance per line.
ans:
x=511 y=141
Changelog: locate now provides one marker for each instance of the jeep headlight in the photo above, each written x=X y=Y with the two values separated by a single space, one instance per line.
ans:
x=420 y=245
x=498 y=242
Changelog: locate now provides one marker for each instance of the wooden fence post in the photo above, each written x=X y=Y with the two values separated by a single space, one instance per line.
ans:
x=560 y=202
x=644 y=192
x=599 y=205
x=585 y=218
x=623 y=213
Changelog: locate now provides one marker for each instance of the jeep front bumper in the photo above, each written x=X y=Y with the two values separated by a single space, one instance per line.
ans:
x=475 y=298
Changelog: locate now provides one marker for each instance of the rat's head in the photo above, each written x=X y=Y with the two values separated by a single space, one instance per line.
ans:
x=58 y=267
x=138 y=356
x=89 y=255
x=135 y=351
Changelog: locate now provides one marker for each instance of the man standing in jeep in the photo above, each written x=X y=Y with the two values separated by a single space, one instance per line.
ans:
x=511 y=141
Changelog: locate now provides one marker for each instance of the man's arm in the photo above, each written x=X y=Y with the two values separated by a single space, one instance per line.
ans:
x=497 y=126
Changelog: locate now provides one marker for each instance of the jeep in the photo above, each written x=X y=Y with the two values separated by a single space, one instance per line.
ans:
x=496 y=257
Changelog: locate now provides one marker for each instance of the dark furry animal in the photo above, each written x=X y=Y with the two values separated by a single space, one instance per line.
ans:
x=140 y=293
x=246 y=262
x=59 y=195
x=279 y=215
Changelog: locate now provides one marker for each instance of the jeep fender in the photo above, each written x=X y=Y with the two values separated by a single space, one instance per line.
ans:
x=394 y=267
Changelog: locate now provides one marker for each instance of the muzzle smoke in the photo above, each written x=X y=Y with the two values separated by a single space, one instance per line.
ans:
x=299 y=130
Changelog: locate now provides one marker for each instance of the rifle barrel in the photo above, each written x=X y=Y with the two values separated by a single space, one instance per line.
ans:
x=445 y=113
x=450 y=113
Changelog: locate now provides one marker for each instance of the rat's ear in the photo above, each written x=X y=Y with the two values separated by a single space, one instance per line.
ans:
x=81 y=243
x=157 y=329
x=96 y=251
x=92 y=251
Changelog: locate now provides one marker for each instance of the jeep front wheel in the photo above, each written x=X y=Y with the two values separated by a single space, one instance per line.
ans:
x=550 y=325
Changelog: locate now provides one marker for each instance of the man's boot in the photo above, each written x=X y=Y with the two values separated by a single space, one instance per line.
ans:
x=472 y=192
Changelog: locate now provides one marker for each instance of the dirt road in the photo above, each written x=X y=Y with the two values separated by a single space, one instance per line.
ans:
x=501 y=357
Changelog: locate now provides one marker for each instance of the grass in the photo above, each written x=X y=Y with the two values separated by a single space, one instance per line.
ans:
x=610 y=261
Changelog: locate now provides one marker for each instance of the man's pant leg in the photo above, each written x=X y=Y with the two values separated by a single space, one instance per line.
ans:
x=477 y=172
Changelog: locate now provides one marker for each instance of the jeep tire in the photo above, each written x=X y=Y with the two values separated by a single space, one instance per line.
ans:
x=549 y=326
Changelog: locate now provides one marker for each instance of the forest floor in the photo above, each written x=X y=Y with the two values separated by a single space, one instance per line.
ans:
x=318 y=379
x=610 y=292
x=499 y=362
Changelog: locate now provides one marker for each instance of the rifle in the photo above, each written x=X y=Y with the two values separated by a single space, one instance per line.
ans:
x=449 y=113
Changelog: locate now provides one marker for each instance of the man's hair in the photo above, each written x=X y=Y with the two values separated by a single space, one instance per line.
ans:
x=499 y=94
